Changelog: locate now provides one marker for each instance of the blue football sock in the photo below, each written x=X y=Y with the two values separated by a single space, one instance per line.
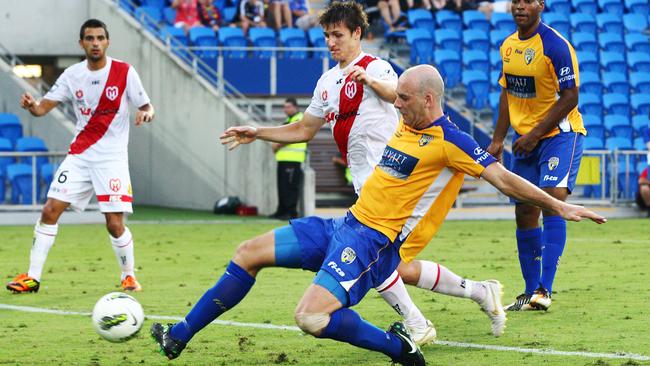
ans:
x=231 y=288
x=554 y=239
x=347 y=326
x=529 y=245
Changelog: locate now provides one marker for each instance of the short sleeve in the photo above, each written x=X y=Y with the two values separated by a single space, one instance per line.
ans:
x=382 y=70
x=60 y=91
x=135 y=92
x=563 y=58
x=463 y=152
x=317 y=107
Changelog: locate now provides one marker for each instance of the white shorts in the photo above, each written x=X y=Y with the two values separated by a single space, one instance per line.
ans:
x=77 y=179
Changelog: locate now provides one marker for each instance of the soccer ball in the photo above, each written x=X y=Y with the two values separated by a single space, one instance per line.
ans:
x=117 y=317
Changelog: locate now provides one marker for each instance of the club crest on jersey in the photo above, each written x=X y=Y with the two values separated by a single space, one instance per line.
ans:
x=324 y=95
x=553 y=163
x=79 y=94
x=529 y=55
x=350 y=89
x=115 y=184
x=348 y=255
x=425 y=139
x=112 y=92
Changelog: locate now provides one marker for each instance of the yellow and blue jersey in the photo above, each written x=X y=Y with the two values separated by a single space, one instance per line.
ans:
x=534 y=71
x=417 y=181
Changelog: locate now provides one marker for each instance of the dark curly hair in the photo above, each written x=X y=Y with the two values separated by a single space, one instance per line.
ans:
x=349 y=13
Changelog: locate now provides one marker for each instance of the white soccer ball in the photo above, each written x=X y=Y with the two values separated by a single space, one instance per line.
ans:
x=117 y=317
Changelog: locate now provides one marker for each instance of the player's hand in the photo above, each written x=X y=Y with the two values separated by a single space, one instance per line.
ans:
x=359 y=74
x=143 y=116
x=496 y=149
x=235 y=136
x=578 y=213
x=525 y=144
x=27 y=101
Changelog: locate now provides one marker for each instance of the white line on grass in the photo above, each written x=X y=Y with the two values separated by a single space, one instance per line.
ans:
x=551 y=352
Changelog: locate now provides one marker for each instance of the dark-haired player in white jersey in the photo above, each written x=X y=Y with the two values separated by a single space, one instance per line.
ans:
x=97 y=162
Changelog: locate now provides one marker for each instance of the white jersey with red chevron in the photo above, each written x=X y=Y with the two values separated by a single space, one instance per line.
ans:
x=361 y=122
x=100 y=103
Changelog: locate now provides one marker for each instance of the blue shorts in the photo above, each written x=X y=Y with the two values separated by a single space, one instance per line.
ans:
x=350 y=257
x=553 y=163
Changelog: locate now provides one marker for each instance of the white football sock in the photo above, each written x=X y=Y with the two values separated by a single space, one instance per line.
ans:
x=123 y=248
x=44 y=236
x=393 y=291
x=440 y=279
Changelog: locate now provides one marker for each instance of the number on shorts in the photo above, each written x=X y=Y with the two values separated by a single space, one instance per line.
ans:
x=62 y=177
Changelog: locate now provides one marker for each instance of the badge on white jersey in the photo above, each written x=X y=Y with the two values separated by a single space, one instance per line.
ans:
x=112 y=92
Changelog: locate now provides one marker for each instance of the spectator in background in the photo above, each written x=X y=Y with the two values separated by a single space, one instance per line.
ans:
x=300 y=13
x=643 y=195
x=187 y=14
x=497 y=6
x=251 y=14
x=209 y=15
x=280 y=9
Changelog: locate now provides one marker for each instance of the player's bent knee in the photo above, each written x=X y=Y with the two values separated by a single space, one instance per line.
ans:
x=312 y=323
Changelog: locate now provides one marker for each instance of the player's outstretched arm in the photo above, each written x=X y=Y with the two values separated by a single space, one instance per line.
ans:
x=37 y=108
x=516 y=187
x=303 y=130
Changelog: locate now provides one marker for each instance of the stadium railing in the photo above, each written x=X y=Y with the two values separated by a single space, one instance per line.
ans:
x=37 y=189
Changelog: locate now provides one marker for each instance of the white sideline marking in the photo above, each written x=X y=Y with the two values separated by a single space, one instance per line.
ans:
x=551 y=352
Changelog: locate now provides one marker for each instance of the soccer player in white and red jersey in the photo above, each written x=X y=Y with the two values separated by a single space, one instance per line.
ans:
x=99 y=88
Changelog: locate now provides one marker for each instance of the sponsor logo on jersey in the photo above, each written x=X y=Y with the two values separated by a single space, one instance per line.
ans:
x=350 y=89
x=85 y=111
x=553 y=163
x=425 y=139
x=529 y=55
x=336 y=268
x=396 y=163
x=335 y=117
x=324 y=95
x=112 y=92
x=348 y=255
x=480 y=155
x=79 y=94
x=565 y=71
x=551 y=178
x=566 y=78
x=115 y=184
x=509 y=51
x=521 y=86
x=94 y=82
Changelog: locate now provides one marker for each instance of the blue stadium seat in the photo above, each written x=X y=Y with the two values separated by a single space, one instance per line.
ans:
x=154 y=3
x=494 y=80
x=616 y=103
x=593 y=143
x=635 y=22
x=450 y=66
x=474 y=19
x=149 y=17
x=640 y=82
x=448 y=39
x=32 y=144
x=638 y=61
x=614 y=7
x=494 y=105
x=294 y=37
x=638 y=6
x=619 y=126
x=608 y=22
x=448 y=19
x=637 y=42
x=585 y=6
x=317 y=39
x=497 y=37
x=177 y=33
x=639 y=144
x=5 y=146
x=596 y=131
x=476 y=40
x=229 y=13
x=205 y=37
x=476 y=60
x=169 y=15
x=584 y=22
x=591 y=119
x=10 y=127
x=233 y=37
x=421 y=18
x=588 y=61
x=616 y=82
x=197 y=33
x=559 y=22
x=20 y=177
x=46 y=173
x=495 y=60
x=559 y=6
x=639 y=122
x=612 y=42
x=590 y=83
x=585 y=42
x=614 y=143
x=262 y=37
x=590 y=104
x=503 y=22
x=640 y=103
x=478 y=88
x=421 y=44
x=127 y=5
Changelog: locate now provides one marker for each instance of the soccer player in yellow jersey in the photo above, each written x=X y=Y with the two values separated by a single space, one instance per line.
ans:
x=539 y=100
x=400 y=208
